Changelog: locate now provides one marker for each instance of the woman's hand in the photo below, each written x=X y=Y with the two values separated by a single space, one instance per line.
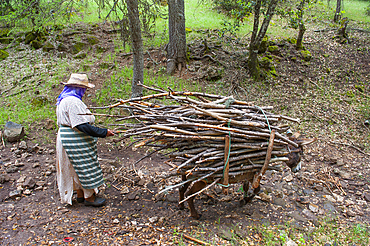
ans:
x=110 y=133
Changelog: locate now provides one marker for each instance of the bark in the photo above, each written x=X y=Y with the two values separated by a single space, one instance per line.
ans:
x=137 y=48
x=176 y=49
x=302 y=28
x=258 y=35
x=337 y=15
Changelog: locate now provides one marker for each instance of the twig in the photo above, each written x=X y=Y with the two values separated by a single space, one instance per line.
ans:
x=195 y=240
x=197 y=193
x=349 y=145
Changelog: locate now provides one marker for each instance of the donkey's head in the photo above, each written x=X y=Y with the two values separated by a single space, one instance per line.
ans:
x=296 y=153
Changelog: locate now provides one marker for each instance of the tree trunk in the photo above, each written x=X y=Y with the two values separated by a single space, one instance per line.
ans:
x=338 y=11
x=137 y=48
x=257 y=36
x=302 y=28
x=176 y=49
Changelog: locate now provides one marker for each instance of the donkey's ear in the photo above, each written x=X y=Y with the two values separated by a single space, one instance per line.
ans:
x=305 y=141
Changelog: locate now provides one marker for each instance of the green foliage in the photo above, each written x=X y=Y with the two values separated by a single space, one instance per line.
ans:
x=306 y=55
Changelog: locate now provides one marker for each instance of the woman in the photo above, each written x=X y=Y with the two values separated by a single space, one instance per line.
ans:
x=78 y=168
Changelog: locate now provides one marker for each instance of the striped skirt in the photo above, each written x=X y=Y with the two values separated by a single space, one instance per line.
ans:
x=81 y=150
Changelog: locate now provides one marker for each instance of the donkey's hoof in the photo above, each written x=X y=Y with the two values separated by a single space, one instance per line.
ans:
x=196 y=217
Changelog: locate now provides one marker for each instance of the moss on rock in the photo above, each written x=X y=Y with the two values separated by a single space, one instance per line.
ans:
x=306 y=55
x=92 y=40
x=273 y=49
x=3 y=55
x=78 y=47
x=36 y=44
x=48 y=46
x=30 y=37
x=80 y=55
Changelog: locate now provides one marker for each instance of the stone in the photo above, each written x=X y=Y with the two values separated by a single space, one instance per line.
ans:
x=36 y=44
x=15 y=193
x=27 y=192
x=345 y=175
x=280 y=202
x=290 y=242
x=314 y=208
x=308 y=191
x=115 y=221
x=13 y=132
x=22 y=145
x=39 y=101
x=78 y=47
x=131 y=196
x=48 y=46
x=264 y=197
x=30 y=37
x=297 y=216
x=4 y=178
x=328 y=206
x=92 y=40
x=288 y=178
x=367 y=196
x=12 y=169
x=153 y=219
x=29 y=182
x=171 y=198
x=330 y=198
x=309 y=214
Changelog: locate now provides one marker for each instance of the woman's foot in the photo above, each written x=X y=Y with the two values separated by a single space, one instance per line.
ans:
x=94 y=201
x=80 y=196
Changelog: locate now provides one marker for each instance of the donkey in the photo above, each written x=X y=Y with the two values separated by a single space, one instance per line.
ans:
x=294 y=163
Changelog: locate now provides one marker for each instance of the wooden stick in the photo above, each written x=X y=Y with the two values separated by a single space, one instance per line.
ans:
x=195 y=240
x=226 y=170
x=257 y=177
x=197 y=193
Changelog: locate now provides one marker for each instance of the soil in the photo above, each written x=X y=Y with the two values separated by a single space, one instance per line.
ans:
x=333 y=183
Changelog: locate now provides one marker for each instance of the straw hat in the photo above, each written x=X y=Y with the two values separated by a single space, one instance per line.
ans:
x=79 y=80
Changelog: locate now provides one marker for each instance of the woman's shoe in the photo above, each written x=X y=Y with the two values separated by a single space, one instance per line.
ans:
x=98 y=202
x=80 y=199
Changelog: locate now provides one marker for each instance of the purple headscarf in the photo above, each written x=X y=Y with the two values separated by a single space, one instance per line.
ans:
x=73 y=91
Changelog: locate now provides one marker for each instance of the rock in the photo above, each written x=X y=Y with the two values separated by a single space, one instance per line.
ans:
x=61 y=47
x=27 y=192
x=13 y=132
x=297 y=216
x=39 y=101
x=131 y=196
x=29 y=182
x=153 y=219
x=290 y=242
x=338 y=197
x=280 y=202
x=125 y=190
x=15 y=193
x=48 y=46
x=22 y=145
x=115 y=221
x=4 y=178
x=288 y=178
x=36 y=44
x=30 y=37
x=367 y=196
x=78 y=47
x=344 y=174
x=330 y=198
x=309 y=214
x=351 y=213
x=92 y=40
x=3 y=55
x=314 y=208
x=328 y=206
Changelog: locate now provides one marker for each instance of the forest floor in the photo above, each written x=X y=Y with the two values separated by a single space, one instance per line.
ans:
x=333 y=187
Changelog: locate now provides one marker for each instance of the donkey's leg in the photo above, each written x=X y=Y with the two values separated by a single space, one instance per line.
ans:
x=182 y=190
x=245 y=199
x=195 y=188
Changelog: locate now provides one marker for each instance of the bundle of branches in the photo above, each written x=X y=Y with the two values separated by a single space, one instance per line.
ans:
x=193 y=128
